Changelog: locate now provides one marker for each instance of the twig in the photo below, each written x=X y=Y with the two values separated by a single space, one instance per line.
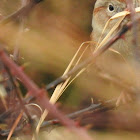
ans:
x=15 y=125
x=41 y=96
x=21 y=12
x=17 y=92
x=4 y=133
x=113 y=120
x=92 y=109
x=134 y=23
x=92 y=58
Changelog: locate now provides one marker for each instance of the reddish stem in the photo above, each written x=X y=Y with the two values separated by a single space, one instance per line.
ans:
x=41 y=96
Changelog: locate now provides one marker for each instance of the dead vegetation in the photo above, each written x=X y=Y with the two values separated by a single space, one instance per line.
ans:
x=36 y=47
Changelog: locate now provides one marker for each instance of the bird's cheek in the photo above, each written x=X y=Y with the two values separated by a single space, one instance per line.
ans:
x=101 y=18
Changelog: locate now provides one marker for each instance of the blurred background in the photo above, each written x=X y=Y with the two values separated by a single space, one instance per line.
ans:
x=53 y=31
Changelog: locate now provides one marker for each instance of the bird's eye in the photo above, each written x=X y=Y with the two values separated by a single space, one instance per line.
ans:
x=111 y=8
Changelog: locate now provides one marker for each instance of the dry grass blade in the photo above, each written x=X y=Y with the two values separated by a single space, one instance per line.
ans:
x=42 y=118
x=15 y=125
x=116 y=52
x=3 y=93
x=120 y=15
x=125 y=13
x=78 y=74
x=110 y=32
x=36 y=105
x=59 y=92
x=61 y=87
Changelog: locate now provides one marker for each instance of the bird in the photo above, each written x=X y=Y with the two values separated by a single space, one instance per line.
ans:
x=123 y=60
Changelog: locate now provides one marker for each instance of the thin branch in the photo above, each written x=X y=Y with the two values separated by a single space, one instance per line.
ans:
x=17 y=92
x=4 y=133
x=24 y=11
x=130 y=6
x=93 y=108
x=92 y=58
x=41 y=96
x=15 y=125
